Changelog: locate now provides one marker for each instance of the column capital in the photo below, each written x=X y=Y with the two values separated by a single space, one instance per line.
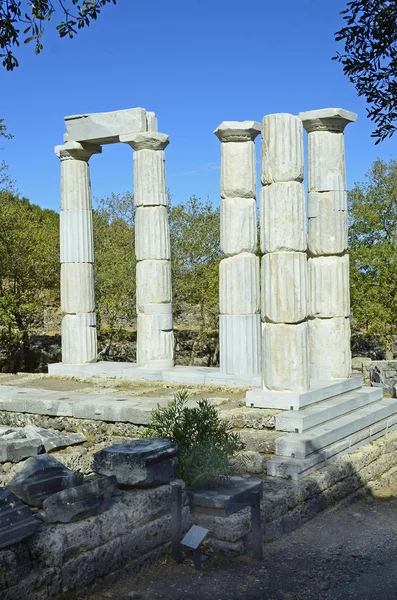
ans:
x=327 y=119
x=150 y=140
x=238 y=131
x=77 y=151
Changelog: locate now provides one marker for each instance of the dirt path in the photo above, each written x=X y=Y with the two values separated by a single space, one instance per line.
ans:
x=345 y=554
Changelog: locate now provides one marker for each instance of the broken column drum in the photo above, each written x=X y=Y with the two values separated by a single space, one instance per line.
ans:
x=284 y=264
x=239 y=288
x=329 y=299
x=79 y=335
x=155 y=336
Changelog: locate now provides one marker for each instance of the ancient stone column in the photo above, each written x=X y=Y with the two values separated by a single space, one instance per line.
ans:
x=155 y=335
x=284 y=264
x=239 y=293
x=79 y=335
x=329 y=299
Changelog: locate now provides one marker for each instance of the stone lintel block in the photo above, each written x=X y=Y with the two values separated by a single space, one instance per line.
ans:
x=146 y=141
x=149 y=178
x=227 y=498
x=153 y=283
x=72 y=150
x=238 y=131
x=330 y=354
x=40 y=477
x=76 y=236
x=282 y=148
x=138 y=463
x=285 y=357
x=239 y=289
x=75 y=185
x=79 y=338
x=106 y=127
x=152 y=235
x=240 y=344
x=76 y=503
x=327 y=119
x=77 y=288
x=326 y=157
x=238 y=170
x=16 y=520
x=283 y=217
x=327 y=227
x=238 y=226
x=284 y=287
x=151 y=122
x=329 y=294
x=155 y=338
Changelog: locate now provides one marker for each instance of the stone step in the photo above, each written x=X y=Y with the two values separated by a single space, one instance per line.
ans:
x=298 y=468
x=261 y=441
x=299 y=421
x=302 y=445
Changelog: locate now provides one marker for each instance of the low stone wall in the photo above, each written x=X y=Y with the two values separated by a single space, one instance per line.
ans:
x=287 y=505
x=59 y=559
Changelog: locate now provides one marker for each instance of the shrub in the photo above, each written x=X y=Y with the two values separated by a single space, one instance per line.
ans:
x=205 y=442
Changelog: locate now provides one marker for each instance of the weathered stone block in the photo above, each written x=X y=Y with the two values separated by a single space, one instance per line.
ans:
x=149 y=178
x=40 y=477
x=77 y=288
x=283 y=217
x=330 y=354
x=153 y=283
x=238 y=168
x=79 y=338
x=228 y=498
x=240 y=344
x=18 y=449
x=282 y=148
x=238 y=226
x=239 y=292
x=106 y=127
x=327 y=119
x=285 y=357
x=152 y=235
x=284 y=287
x=326 y=155
x=138 y=463
x=16 y=520
x=329 y=286
x=51 y=440
x=327 y=226
x=76 y=236
x=76 y=503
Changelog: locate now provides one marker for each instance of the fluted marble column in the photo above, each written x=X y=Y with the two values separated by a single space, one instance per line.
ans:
x=284 y=264
x=155 y=335
x=239 y=293
x=79 y=335
x=329 y=297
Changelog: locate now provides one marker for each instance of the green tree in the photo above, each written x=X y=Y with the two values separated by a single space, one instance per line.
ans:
x=373 y=256
x=195 y=255
x=32 y=15
x=115 y=264
x=5 y=181
x=29 y=273
x=369 y=59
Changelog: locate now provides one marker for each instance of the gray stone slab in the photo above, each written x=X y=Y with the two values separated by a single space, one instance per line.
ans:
x=313 y=415
x=51 y=440
x=225 y=499
x=16 y=450
x=129 y=410
x=16 y=520
x=77 y=503
x=105 y=128
x=139 y=463
x=42 y=476
x=319 y=390
x=303 y=444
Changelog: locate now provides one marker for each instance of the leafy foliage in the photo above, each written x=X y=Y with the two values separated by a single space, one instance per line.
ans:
x=369 y=59
x=5 y=181
x=205 y=442
x=33 y=14
x=373 y=256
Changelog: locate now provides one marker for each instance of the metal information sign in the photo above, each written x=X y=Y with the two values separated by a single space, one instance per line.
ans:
x=193 y=539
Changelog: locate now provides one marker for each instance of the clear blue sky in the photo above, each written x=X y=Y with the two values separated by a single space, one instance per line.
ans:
x=195 y=63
